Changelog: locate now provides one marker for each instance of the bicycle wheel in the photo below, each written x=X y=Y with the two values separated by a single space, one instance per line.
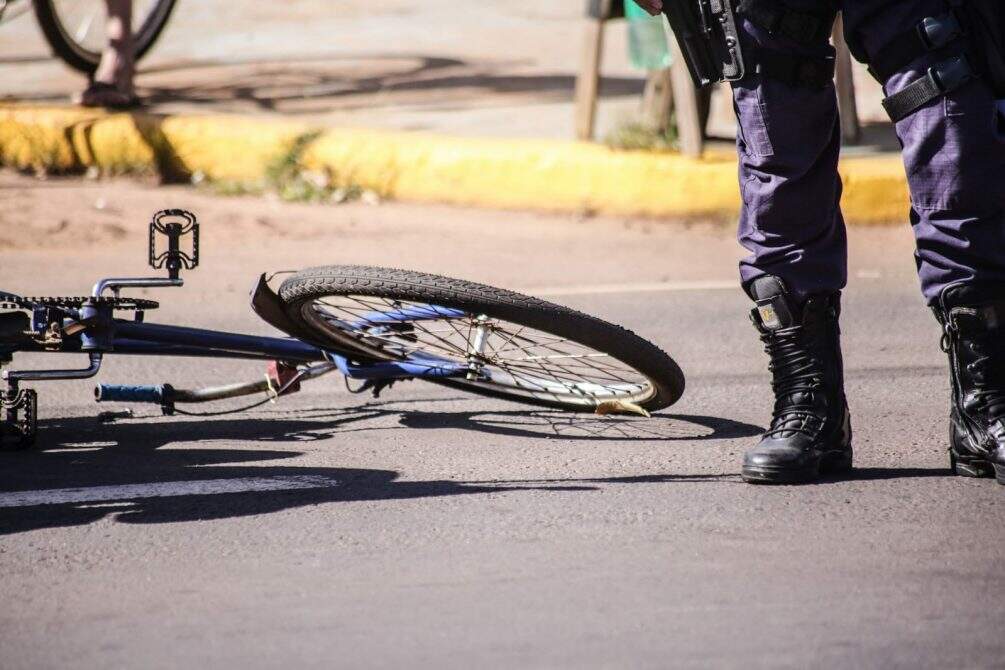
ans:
x=75 y=29
x=513 y=346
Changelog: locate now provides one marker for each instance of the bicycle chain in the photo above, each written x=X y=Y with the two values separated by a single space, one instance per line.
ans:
x=9 y=301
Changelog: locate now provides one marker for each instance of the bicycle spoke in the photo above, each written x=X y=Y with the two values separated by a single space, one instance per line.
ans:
x=566 y=367
x=518 y=358
x=392 y=337
x=84 y=29
x=569 y=379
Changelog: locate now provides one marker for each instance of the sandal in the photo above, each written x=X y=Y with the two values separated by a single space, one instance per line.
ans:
x=100 y=94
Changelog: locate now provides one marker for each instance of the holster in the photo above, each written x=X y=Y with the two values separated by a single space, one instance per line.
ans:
x=708 y=40
x=968 y=41
x=984 y=25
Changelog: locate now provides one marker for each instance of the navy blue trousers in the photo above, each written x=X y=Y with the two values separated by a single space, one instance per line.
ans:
x=788 y=143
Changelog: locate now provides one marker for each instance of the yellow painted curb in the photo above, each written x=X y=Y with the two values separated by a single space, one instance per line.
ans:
x=534 y=174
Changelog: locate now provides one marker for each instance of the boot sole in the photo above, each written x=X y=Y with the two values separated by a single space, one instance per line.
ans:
x=969 y=464
x=975 y=467
x=830 y=462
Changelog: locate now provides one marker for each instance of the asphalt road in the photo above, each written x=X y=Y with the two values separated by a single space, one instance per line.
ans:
x=430 y=529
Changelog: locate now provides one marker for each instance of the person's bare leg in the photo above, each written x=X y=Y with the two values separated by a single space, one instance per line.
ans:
x=112 y=85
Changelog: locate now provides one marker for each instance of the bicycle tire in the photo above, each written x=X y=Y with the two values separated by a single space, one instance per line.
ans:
x=300 y=290
x=86 y=60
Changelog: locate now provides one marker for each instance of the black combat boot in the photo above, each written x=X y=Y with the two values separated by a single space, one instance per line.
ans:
x=973 y=323
x=810 y=429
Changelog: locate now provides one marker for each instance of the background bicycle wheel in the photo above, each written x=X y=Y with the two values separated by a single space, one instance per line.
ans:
x=75 y=29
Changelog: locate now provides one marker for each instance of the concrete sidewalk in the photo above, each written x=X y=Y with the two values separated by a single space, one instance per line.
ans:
x=498 y=69
x=551 y=175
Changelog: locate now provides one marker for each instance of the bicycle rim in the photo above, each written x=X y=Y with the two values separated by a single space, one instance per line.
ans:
x=503 y=357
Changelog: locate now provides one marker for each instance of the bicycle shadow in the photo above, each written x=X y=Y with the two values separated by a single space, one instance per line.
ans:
x=85 y=470
x=144 y=471
x=131 y=470
x=308 y=84
x=660 y=428
x=549 y=424
x=303 y=85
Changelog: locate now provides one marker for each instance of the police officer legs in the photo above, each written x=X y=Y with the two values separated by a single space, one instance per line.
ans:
x=790 y=221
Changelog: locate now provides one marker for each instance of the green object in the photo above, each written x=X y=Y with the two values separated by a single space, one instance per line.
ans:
x=647 y=39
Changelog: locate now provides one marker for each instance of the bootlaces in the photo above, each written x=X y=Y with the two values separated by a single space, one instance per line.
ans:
x=795 y=380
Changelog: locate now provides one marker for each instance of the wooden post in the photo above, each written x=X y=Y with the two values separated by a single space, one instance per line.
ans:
x=685 y=97
x=850 y=128
x=657 y=100
x=588 y=79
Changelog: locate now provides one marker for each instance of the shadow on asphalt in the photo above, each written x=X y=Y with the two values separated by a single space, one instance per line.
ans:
x=81 y=453
x=291 y=84
x=857 y=474
x=875 y=474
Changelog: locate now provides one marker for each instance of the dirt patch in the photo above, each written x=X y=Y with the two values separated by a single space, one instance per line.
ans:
x=56 y=213
x=246 y=234
x=109 y=217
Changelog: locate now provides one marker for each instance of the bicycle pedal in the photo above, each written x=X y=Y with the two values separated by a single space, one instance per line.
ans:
x=174 y=225
x=20 y=419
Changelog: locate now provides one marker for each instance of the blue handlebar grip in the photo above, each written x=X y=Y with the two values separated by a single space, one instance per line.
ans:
x=126 y=393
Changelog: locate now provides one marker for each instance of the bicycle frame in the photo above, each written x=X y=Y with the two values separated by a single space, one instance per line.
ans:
x=167 y=340
x=153 y=339
x=87 y=326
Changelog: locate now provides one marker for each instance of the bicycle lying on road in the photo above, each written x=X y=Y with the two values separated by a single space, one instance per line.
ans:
x=375 y=325
x=75 y=29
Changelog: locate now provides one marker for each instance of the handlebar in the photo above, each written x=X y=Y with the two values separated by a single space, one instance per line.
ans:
x=128 y=393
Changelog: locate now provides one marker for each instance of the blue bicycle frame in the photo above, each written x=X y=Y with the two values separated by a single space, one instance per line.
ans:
x=87 y=325
x=162 y=340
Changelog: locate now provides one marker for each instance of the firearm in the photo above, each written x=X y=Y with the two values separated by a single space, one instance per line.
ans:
x=706 y=34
